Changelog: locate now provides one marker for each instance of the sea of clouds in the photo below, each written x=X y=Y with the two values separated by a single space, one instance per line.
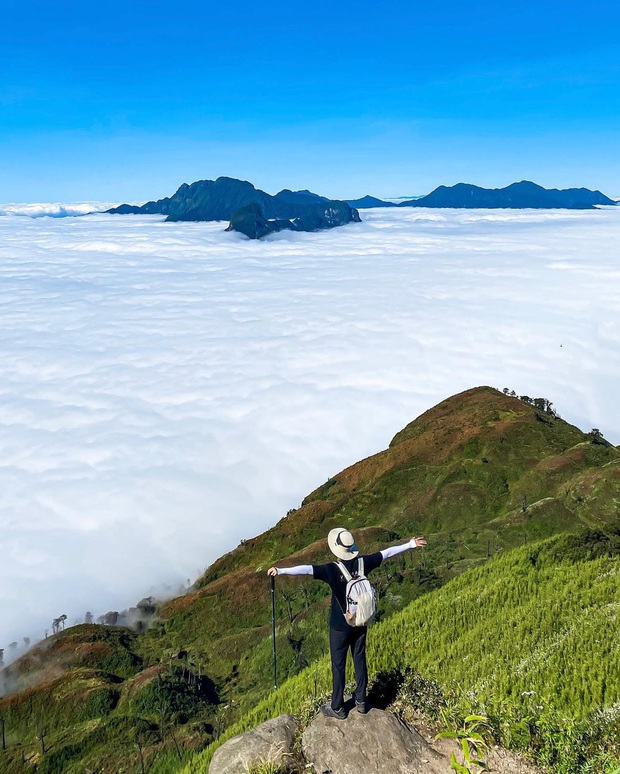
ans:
x=168 y=389
x=54 y=210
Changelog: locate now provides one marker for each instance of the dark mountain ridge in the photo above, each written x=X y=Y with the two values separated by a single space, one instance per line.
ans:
x=221 y=199
x=368 y=202
x=523 y=195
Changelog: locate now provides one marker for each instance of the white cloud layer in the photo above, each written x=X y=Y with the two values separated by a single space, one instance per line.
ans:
x=168 y=389
x=51 y=210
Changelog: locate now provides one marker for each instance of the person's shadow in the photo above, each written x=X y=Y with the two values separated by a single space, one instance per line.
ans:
x=383 y=689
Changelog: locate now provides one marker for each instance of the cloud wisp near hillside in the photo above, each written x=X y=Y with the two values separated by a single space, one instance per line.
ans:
x=169 y=389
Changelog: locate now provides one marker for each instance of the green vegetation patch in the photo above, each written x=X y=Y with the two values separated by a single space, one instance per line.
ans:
x=72 y=698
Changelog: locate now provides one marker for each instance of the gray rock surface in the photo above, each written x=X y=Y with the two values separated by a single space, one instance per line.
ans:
x=376 y=743
x=271 y=741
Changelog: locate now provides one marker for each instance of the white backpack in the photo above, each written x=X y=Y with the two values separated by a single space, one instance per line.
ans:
x=360 y=596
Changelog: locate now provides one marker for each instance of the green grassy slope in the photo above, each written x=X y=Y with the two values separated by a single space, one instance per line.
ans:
x=530 y=639
x=480 y=472
x=478 y=475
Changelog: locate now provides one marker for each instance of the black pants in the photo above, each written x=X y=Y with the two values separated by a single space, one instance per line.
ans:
x=339 y=644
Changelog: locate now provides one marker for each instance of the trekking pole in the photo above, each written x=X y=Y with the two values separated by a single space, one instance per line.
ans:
x=273 y=630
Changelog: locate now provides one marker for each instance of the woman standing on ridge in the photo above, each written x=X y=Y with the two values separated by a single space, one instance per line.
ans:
x=342 y=634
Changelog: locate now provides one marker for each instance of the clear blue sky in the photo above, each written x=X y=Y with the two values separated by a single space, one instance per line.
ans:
x=126 y=100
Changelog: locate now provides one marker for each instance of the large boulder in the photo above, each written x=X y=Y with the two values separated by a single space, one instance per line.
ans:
x=271 y=741
x=376 y=743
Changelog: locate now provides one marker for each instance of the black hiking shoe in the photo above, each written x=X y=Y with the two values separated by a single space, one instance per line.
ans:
x=329 y=712
x=361 y=707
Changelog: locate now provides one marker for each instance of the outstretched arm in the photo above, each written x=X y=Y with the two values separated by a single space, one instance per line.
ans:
x=301 y=569
x=416 y=542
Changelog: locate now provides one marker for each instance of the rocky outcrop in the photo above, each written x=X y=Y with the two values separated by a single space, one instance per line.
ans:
x=271 y=741
x=376 y=742
x=252 y=222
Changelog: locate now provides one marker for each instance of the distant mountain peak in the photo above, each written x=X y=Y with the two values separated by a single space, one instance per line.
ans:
x=519 y=195
x=219 y=199
x=247 y=208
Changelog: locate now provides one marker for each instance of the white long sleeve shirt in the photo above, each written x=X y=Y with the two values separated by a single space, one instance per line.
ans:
x=386 y=553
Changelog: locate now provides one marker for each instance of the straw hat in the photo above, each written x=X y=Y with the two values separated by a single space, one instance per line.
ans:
x=342 y=544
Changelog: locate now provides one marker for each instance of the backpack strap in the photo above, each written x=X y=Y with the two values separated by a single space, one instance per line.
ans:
x=347 y=575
